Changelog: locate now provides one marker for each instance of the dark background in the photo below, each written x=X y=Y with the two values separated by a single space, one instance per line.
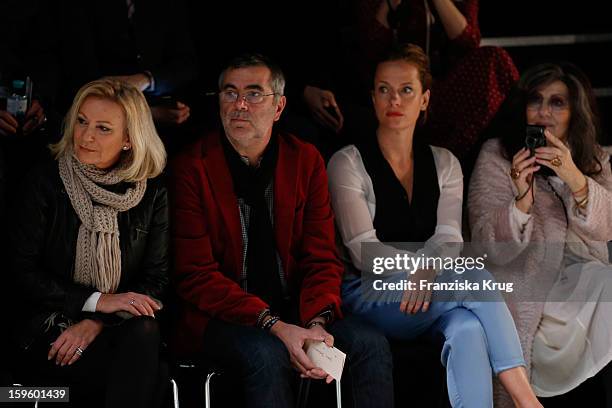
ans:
x=548 y=18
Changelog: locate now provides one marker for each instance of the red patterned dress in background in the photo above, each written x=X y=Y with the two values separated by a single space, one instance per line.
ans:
x=470 y=82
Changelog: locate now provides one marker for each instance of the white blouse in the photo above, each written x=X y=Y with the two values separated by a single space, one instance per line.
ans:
x=354 y=204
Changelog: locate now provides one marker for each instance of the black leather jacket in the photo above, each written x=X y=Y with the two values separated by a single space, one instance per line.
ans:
x=43 y=239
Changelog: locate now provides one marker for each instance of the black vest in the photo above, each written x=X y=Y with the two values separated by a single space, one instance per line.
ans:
x=396 y=218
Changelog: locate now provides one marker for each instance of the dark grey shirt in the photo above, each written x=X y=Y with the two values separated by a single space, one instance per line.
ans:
x=245 y=211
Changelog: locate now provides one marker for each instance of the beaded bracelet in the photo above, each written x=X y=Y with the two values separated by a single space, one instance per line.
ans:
x=261 y=317
x=270 y=322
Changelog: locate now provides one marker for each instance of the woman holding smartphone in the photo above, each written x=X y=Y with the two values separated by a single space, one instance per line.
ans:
x=547 y=231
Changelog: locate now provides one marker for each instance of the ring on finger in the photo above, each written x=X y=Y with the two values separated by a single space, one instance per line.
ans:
x=515 y=173
x=79 y=351
x=556 y=161
x=132 y=301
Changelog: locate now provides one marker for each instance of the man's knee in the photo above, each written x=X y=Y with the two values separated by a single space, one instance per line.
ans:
x=362 y=341
x=263 y=355
x=270 y=357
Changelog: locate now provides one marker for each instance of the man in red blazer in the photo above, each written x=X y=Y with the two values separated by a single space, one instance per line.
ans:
x=257 y=271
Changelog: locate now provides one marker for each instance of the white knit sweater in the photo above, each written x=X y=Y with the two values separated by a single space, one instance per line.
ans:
x=532 y=259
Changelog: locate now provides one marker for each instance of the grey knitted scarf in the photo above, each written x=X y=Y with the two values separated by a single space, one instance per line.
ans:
x=98 y=255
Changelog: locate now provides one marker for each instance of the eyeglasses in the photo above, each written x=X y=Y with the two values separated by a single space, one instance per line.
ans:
x=554 y=104
x=250 y=97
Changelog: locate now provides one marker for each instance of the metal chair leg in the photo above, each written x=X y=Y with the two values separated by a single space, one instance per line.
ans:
x=338 y=394
x=21 y=385
x=209 y=376
x=175 y=393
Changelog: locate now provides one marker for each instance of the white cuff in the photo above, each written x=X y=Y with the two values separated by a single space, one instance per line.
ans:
x=91 y=302
x=518 y=220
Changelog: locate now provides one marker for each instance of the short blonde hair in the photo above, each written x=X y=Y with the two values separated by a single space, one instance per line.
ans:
x=147 y=157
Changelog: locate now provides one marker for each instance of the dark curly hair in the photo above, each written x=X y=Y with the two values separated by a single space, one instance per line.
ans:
x=584 y=130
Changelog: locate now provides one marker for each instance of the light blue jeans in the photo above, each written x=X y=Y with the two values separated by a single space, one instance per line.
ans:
x=479 y=336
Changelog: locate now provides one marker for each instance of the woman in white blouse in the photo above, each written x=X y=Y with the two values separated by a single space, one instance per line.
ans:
x=394 y=188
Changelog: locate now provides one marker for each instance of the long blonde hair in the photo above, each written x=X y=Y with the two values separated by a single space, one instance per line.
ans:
x=147 y=156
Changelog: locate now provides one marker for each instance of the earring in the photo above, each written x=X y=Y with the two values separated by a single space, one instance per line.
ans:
x=126 y=147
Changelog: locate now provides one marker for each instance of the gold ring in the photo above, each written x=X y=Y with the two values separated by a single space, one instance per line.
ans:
x=556 y=161
x=515 y=173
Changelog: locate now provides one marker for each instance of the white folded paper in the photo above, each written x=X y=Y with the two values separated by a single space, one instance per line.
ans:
x=329 y=359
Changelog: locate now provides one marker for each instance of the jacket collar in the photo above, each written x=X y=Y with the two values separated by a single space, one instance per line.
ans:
x=285 y=193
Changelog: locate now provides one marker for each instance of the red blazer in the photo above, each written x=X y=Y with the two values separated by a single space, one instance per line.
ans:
x=208 y=241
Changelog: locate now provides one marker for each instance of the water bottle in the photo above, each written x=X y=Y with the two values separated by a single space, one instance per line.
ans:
x=17 y=102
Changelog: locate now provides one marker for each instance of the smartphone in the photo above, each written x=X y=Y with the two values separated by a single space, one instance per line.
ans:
x=534 y=137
